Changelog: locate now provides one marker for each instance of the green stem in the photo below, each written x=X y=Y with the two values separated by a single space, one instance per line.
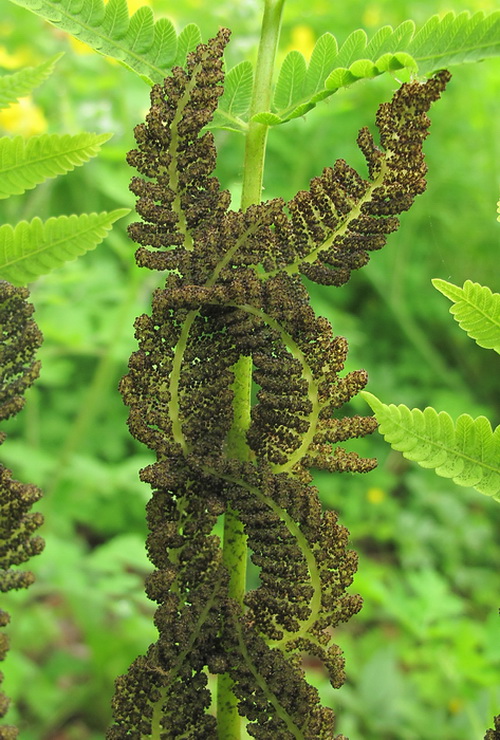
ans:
x=256 y=137
x=234 y=544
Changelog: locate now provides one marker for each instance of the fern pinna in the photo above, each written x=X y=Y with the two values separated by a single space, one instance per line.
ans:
x=20 y=338
x=234 y=289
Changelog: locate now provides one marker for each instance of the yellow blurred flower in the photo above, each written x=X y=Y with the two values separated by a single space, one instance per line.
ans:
x=372 y=16
x=303 y=40
x=455 y=705
x=376 y=495
x=24 y=118
x=22 y=57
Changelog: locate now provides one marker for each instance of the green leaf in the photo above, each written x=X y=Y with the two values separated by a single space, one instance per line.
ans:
x=146 y=47
x=24 y=163
x=467 y=451
x=269 y=119
x=291 y=78
x=164 y=49
x=34 y=248
x=188 y=40
x=476 y=309
x=237 y=90
x=234 y=105
x=440 y=43
x=454 y=39
x=325 y=50
x=140 y=31
x=387 y=39
x=19 y=84
x=116 y=19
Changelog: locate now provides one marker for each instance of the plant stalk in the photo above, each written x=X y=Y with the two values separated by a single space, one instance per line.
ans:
x=234 y=541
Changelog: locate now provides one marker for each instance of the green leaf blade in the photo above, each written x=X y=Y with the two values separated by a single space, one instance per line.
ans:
x=26 y=163
x=290 y=83
x=439 y=43
x=476 y=309
x=31 y=249
x=320 y=64
x=116 y=20
x=236 y=99
x=188 y=40
x=455 y=39
x=467 y=451
x=22 y=83
x=146 y=47
x=139 y=38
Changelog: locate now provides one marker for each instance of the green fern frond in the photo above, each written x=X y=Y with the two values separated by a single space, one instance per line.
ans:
x=476 y=309
x=24 y=163
x=147 y=47
x=467 y=451
x=440 y=43
x=23 y=82
x=34 y=248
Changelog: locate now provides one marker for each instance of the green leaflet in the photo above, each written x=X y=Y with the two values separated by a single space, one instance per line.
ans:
x=440 y=43
x=21 y=83
x=24 y=163
x=35 y=248
x=467 y=451
x=476 y=309
x=234 y=104
x=147 y=47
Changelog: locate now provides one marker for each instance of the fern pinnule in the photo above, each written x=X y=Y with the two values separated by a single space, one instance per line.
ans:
x=476 y=309
x=467 y=451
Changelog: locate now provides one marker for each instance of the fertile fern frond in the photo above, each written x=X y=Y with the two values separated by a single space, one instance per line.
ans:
x=34 y=248
x=476 y=309
x=234 y=289
x=24 y=163
x=21 y=83
x=440 y=43
x=467 y=451
x=147 y=47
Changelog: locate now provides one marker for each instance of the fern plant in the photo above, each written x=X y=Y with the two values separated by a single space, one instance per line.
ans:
x=468 y=450
x=233 y=308
x=237 y=386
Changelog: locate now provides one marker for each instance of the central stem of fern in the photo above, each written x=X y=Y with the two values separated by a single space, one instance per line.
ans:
x=234 y=544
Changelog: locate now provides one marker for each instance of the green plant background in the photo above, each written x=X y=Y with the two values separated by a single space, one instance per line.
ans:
x=423 y=657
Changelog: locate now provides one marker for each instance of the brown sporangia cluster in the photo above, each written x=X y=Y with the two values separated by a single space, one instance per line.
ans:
x=20 y=338
x=494 y=733
x=233 y=288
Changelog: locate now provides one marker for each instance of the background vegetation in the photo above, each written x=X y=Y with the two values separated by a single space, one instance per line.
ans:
x=423 y=657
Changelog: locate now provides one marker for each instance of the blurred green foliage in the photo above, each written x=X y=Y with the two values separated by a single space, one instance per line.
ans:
x=423 y=657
